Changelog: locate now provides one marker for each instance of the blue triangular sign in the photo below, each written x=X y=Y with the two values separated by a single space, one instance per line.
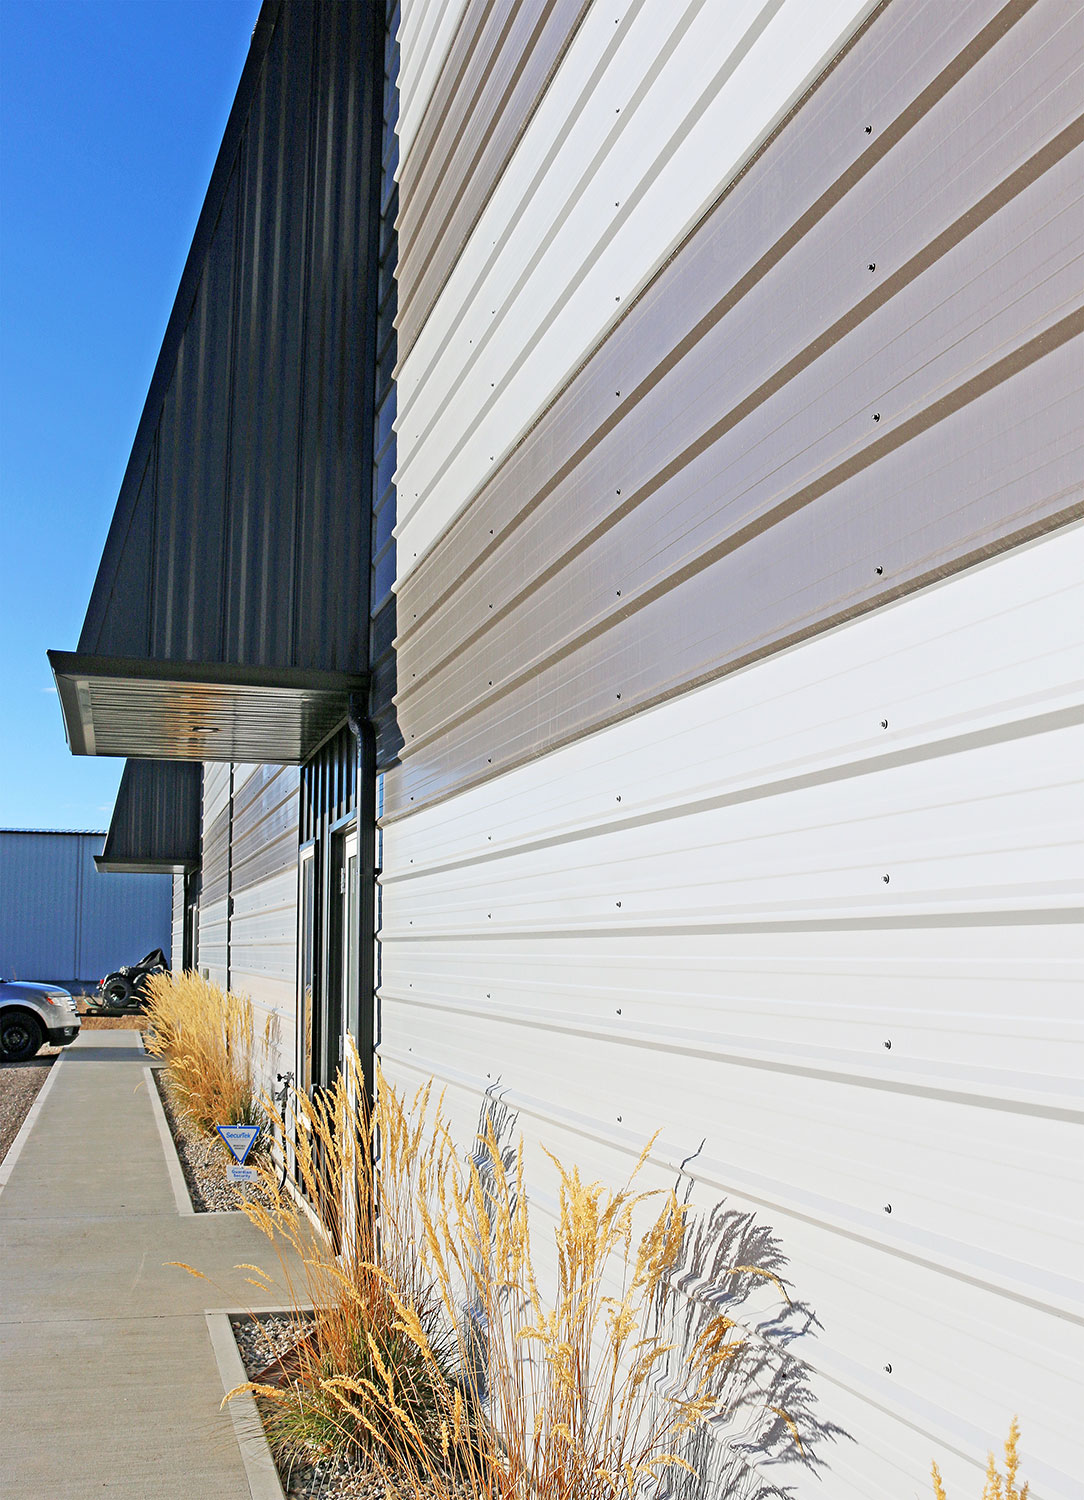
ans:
x=239 y=1138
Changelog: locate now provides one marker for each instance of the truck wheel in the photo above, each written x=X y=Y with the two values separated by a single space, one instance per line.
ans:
x=117 y=993
x=20 y=1037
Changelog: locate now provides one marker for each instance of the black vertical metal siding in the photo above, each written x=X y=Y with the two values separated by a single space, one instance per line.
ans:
x=156 y=817
x=241 y=534
x=382 y=599
x=328 y=785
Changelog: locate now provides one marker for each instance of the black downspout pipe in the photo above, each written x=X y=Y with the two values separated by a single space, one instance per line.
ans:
x=365 y=802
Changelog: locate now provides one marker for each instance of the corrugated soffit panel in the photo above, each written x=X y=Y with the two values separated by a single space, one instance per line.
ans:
x=861 y=372
x=230 y=550
x=820 y=922
x=156 y=818
x=643 y=126
x=426 y=31
x=121 y=706
x=493 y=79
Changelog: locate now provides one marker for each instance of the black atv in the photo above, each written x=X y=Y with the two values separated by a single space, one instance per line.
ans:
x=123 y=991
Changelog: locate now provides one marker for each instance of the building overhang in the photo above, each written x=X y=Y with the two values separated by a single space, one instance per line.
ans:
x=155 y=827
x=156 y=710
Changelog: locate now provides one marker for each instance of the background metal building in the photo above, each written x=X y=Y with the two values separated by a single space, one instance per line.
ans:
x=62 y=920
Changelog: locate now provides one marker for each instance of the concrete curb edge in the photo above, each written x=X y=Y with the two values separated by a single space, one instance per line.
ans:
x=181 y=1195
x=8 y=1164
x=260 y=1469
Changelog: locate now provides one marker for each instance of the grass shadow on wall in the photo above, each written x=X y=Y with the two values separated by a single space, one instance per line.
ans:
x=730 y=1266
x=769 y=1414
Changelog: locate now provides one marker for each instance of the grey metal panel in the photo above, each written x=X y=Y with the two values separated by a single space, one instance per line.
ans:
x=121 y=916
x=39 y=876
x=265 y=823
x=156 y=818
x=215 y=839
x=778 y=436
x=383 y=562
x=60 y=920
x=176 y=949
x=231 y=544
x=492 y=81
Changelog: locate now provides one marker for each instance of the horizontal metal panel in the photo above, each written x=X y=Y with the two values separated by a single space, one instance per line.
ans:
x=426 y=31
x=819 y=922
x=156 y=818
x=644 y=124
x=490 y=85
x=214 y=941
x=265 y=823
x=176 y=949
x=215 y=835
x=795 y=447
x=382 y=549
x=263 y=964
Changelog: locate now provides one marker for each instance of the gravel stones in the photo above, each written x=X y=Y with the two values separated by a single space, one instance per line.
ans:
x=203 y=1161
x=19 y=1085
x=267 y=1337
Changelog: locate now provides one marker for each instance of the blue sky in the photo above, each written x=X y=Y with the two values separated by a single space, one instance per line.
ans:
x=111 y=113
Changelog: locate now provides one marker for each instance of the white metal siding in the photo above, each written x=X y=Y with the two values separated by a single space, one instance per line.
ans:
x=214 y=896
x=644 y=124
x=177 y=927
x=248 y=910
x=684 y=922
x=263 y=924
x=426 y=30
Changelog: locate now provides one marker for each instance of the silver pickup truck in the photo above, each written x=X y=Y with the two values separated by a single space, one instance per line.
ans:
x=33 y=1014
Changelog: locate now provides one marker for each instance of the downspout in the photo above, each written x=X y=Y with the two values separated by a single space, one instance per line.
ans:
x=365 y=802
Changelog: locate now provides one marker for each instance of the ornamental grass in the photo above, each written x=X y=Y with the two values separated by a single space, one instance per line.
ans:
x=207 y=1039
x=998 y=1486
x=435 y=1347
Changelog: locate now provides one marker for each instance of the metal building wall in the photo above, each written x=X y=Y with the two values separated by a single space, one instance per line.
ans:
x=214 y=927
x=248 y=898
x=728 y=758
x=263 y=924
x=842 y=352
x=176 y=949
x=61 y=920
x=382 y=624
x=257 y=421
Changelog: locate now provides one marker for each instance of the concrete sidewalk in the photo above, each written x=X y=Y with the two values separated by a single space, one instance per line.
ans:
x=108 y=1381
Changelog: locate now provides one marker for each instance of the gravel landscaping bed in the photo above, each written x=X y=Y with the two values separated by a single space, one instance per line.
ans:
x=266 y=1338
x=203 y=1161
x=19 y=1085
